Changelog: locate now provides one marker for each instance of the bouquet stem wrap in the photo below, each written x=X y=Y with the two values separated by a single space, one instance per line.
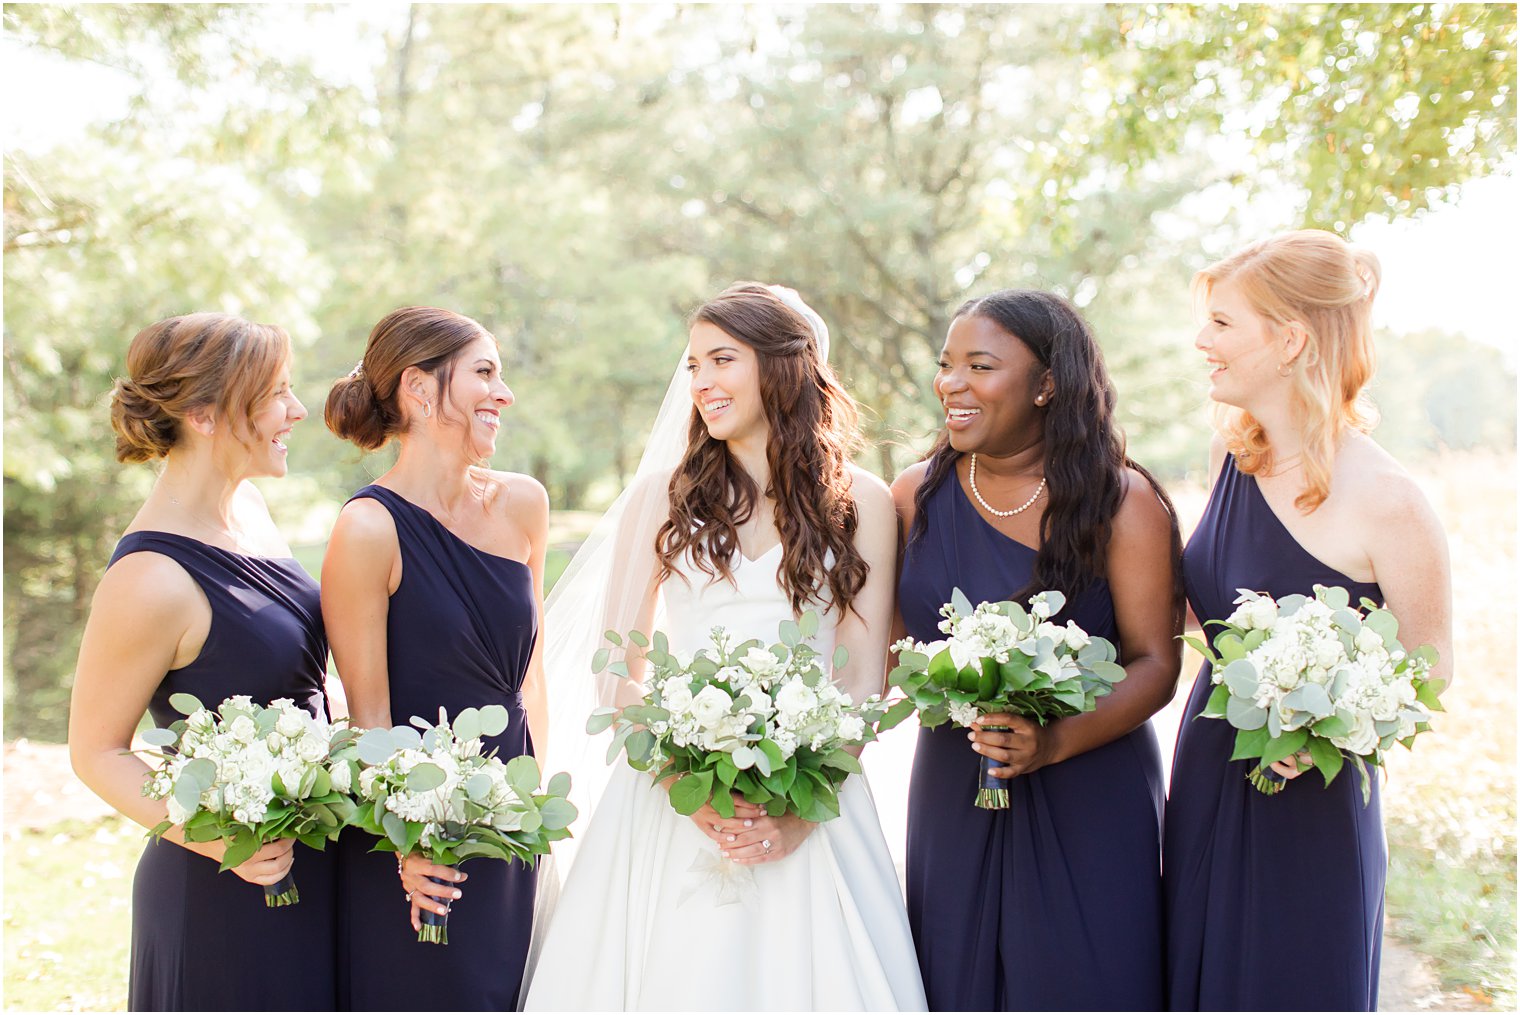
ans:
x=283 y=892
x=435 y=926
x=1266 y=780
x=992 y=790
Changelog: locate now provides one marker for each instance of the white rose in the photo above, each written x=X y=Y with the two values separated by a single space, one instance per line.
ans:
x=795 y=697
x=852 y=728
x=177 y=813
x=1328 y=652
x=243 y=730
x=710 y=705
x=675 y=694
x=761 y=662
x=312 y=748
x=1362 y=739
x=1261 y=613
x=342 y=776
x=1076 y=638
x=1367 y=640
x=1039 y=608
x=291 y=724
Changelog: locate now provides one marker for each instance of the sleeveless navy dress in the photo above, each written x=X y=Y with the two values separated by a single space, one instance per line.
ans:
x=1273 y=903
x=459 y=634
x=203 y=940
x=1055 y=903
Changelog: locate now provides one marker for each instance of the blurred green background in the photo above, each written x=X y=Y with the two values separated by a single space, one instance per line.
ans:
x=579 y=177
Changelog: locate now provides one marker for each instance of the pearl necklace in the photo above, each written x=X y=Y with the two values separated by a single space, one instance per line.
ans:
x=992 y=510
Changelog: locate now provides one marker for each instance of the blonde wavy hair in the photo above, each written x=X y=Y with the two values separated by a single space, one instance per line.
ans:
x=1319 y=282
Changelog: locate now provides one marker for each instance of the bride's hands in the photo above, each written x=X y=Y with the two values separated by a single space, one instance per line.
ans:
x=724 y=831
x=767 y=839
x=751 y=836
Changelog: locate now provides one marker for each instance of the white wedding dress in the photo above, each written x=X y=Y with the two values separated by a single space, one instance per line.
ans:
x=649 y=919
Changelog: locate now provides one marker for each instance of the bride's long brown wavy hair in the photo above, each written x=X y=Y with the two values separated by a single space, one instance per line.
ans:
x=813 y=431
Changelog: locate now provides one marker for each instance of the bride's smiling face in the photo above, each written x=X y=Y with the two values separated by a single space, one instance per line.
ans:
x=725 y=383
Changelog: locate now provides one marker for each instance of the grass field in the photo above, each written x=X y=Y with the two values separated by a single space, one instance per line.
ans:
x=1450 y=807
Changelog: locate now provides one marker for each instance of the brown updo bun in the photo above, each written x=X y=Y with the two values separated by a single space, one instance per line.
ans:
x=195 y=361
x=364 y=407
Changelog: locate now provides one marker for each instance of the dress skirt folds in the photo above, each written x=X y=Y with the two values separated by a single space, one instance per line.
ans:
x=204 y=940
x=1273 y=902
x=1054 y=903
x=459 y=634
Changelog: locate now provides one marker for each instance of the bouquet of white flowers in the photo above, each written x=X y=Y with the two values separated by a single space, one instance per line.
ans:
x=433 y=789
x=766 y=723
x=998 y=657
x=248 y=775
x=1313 y=674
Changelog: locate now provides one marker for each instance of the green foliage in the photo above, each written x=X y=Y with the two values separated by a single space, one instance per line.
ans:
x=578 y=178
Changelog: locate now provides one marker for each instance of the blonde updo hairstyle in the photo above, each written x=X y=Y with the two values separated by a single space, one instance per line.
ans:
x=1319 y=282
x=365 y=406
x=188 y=363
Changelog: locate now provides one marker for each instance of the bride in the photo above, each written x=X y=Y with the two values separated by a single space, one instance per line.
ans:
x=761 y=518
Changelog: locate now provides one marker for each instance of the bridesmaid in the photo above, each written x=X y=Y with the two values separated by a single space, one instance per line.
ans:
x=1054 y=903
x=1276 y=903
x=434 y=585
x=202 y=596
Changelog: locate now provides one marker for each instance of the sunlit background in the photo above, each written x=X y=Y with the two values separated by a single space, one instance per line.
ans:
x=578 y=178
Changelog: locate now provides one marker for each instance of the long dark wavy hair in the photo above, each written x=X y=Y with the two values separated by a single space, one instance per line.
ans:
x=1084 y=449
x=813 y=431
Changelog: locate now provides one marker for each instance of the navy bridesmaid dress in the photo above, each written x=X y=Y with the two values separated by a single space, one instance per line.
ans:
x=1054 y=903
x=204 y=940
x=1273 y=903
x=459 y=634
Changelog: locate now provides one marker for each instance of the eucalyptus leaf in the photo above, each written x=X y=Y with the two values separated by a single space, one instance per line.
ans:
x=494 y=720
x=1334 y=597
x=640 y=745
x=395 y=828
x=158 y=737
x=185 y=704
x=960 y=603
x=557 y=813
x=376 y=745
x=466 y=724
x=425 y=777
x=1311 y=698
x=1244 y=714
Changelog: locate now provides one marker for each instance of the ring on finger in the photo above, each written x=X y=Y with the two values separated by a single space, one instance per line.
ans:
x=408 y=896
x=766 y=843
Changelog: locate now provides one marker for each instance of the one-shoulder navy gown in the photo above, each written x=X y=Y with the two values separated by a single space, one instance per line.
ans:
x=1055 y=903
x=459 y=634
x=1273 y=903
x=203 y=940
